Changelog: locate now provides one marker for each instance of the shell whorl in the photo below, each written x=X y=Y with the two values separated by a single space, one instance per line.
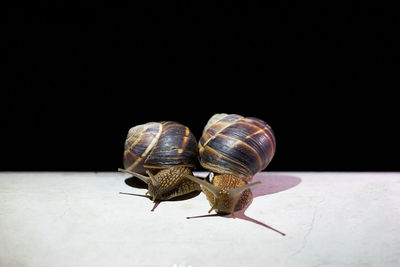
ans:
x=159 y=145
x=233 y=144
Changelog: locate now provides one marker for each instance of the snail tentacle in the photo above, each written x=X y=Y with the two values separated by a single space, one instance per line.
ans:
x=137 y=175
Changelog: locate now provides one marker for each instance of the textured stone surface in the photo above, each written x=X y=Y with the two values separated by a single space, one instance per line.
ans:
x=80 y=219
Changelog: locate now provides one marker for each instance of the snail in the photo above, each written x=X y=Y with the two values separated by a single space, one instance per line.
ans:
x=234 y=148
x=165 y=151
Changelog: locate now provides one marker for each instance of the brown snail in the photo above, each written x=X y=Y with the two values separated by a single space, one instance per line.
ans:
x=234 y=148
x=165 y=151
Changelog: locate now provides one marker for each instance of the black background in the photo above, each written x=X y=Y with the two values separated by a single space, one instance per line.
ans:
x=324 y=77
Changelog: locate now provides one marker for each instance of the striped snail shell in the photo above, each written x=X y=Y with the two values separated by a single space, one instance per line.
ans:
x=232 y=144
x=234 y=148
x=157 y=145
x=165 y=151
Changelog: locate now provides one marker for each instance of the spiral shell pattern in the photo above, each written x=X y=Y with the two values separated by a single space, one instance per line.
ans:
x=159 y=145
x=237 y=145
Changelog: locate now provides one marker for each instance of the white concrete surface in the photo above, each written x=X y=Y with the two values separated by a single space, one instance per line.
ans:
x=80 y=219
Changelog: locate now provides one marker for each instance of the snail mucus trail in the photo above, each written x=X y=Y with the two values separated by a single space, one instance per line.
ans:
x=165 y=151
x=234 y=148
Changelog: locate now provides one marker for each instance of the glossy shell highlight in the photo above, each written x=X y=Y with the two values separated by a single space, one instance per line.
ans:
x=157 y=145
x=237 y=145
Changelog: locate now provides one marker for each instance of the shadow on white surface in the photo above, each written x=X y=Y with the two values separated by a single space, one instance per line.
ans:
x=273 y=183
x=270 y=184
x=137 y=183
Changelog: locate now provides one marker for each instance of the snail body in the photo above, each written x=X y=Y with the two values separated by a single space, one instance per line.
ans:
x=165 y=151
x=234 y=148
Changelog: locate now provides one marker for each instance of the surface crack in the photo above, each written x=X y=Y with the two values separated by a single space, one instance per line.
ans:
x=310 y=228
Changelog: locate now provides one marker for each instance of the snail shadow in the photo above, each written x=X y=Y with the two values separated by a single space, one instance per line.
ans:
x=273 y=183
x=137 y=183
x=270 y=184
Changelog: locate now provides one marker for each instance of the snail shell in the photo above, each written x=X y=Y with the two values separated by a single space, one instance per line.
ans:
x=233 y=144
x=158 y=145
x=234 y=148
x=169 y=150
